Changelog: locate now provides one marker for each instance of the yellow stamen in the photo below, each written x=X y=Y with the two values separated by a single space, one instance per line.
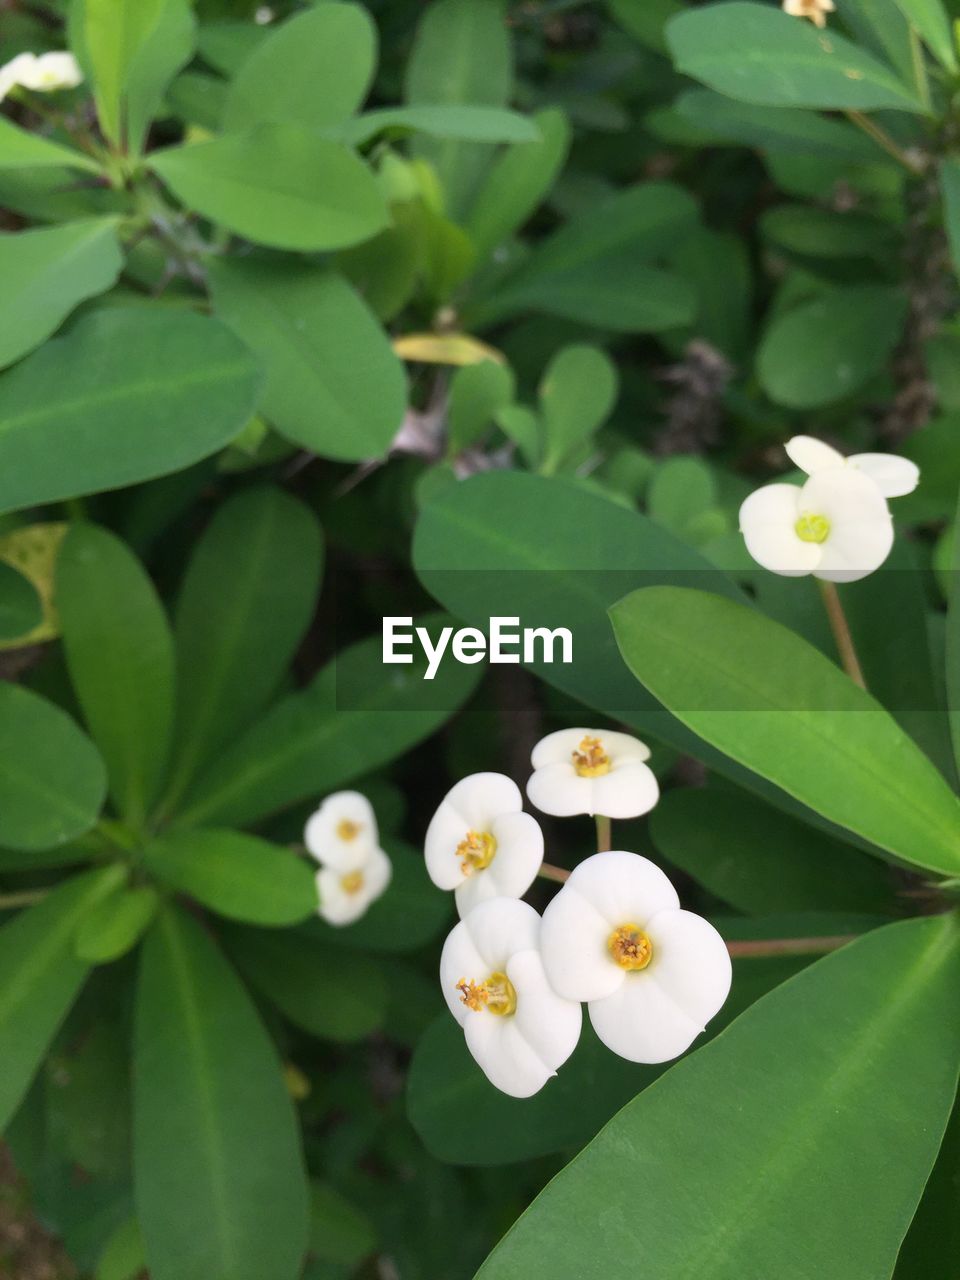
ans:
x=812 y=528
x=352 y=882
x=630 y=947
x=496 y=995
x=476 y=851
x=590 y=760
x=348 y=830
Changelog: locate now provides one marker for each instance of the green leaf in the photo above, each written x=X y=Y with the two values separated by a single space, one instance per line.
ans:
x=953 y=646
x=169 y=46
x=784 y=1120
x=49 y=271
x=52 y=781
x=238 y=876
x=761 y=861
x=478 y=392
x=126 y=395
x=333 y=994
x=248 y=596
x=596 y=268
x=784 y=130
x=339 y=1232
x=822 y=233
x=775 y=704
x=114 y=32
x=22 y=150
x=829 y=347
x=517 y=183
x=20 y=606
x=950 y=185
x=279 y=185
x=40 y=977
x=577 y=395
x=218 y=1172
x=119 y=653
x=761 y=55
x=116 y=924
x=932 y=23
x=462 y=54
x=333 y=383
x=460 y=122
x=122 y=1257
x=933 y=1240
x=355 y=716
x=314 y=70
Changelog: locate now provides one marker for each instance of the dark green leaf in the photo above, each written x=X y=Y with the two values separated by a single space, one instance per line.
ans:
x=20 y=607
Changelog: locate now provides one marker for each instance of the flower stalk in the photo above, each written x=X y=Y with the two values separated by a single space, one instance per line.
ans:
x=841 y=632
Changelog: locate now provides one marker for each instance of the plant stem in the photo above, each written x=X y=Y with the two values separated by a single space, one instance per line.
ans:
x=25 y=899
x=883 y=139
x=841 y=633
x=920 y=69
x=603 y=834
x=550 y=872
x=790 y=946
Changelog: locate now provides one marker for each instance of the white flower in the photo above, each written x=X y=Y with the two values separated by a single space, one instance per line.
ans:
x=516 y=1026
x=894 y=476
x=43 y=74
x=837 y=526
x=652 y=974
x=481 y=844
x=343 y=831
x=346 y=895
x=815 y=10
x=592 y=771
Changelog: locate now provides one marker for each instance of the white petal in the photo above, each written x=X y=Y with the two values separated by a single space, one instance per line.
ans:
x=336 y=905
x=559 y=789
x=377 y=874
x=500 y=928
x=460 y=961
x=767 y=520
x=548 y=1023
x=627 y=791
x=894 y=476
x=659 y=1011
x=861 y=529
x=812 y=455
x=623 y=887
x=557 y=748
x=51 y=71
x=504 y=1056
x=474 y=804
x=573 y=944
x=444 y=834
x=322 y=833
x=514 y=867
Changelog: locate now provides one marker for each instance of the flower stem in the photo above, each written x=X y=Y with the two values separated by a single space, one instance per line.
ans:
x=841 y=633
x=790 y=946
x=603 y=834
x=550 y=872
x=883 y=139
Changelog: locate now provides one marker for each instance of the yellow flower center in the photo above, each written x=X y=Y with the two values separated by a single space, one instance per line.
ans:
x=347 y=830
x=352 y=882
x=590 y=760
x=812 y=528
x=630 y=947
x=496 y=995
x=476 y=851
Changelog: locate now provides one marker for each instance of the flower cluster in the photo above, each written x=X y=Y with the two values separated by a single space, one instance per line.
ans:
x=836 y=525
x=614 y=937
x=354 y=871
x=43 y=73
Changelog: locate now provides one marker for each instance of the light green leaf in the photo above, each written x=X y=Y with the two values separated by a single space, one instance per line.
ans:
x=333 y=994
x=122 y=1257
x=46 y=273
x=461 y=122
x=827 y=348
x=248 y=596
x=761 y=861
x=462 y=54
x=22 y=150
x=119 y=653
x=114 y=32
x=932 y=23
x=681 y=489
x=950 y=185
x=356 y=715
x=218 y=1172
x=333 y=383
x=238 y=876
x=518 y=181
x=126 y=395
x=168 y=47
x=40 y=977
x=577 y=395
x=279 y=185
x=116 y=924
x=784 y=1120
x=20 y=606
x=759 y=54
x=775 y=704
x=645 y=19
x=339 y=1232
x=597 y=270
x=52 y=781
x=314 y=70
x=478 y=392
